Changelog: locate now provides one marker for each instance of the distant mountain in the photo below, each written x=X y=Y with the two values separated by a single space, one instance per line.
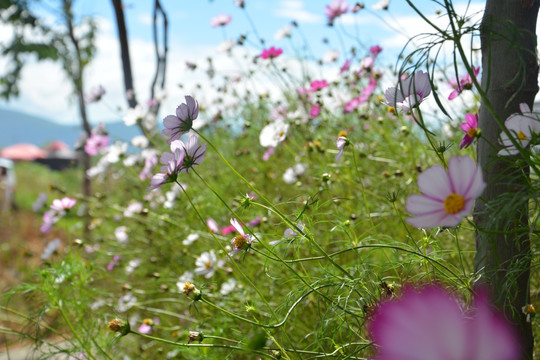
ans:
x=17 y=127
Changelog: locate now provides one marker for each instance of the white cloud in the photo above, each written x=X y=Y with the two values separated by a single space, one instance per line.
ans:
x=294 y=10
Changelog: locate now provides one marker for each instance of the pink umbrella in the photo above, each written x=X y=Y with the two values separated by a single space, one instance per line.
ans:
x=23 y=152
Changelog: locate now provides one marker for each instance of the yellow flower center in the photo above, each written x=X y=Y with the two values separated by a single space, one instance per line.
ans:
x=239 y=241
x=454 y=203
x=281 y=133
x=188 y=288
x=471 y=133
x=208 y=264
x=521 y=135
x=342 y=133
x=391 y=109
x=529 y=309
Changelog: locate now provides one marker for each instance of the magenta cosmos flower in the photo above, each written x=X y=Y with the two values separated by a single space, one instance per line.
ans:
x=271 y=53
x=317 y=85
x=63 y=204
x=242 y=241
x=179 y=124
x=335 y=9
x=447 y=196
x=410 y=92
x=465 y=82
x=95 y=143
x=470 y=126
x=429 y=324
x=220 y=20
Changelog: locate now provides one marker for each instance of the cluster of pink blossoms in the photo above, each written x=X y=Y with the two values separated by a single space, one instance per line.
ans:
x=429 y=324
x=58 y=209
x=271 y=53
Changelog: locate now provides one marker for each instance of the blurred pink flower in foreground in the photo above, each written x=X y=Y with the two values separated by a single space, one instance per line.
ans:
x=335 y=9
x=429 y=324
x=465 y=82
x=179 y=124
x=271 y=53
x=409 y=92
x=65 y=203
x=95 y=143
x=220 y=20
x=470 y=126
x=447 y=196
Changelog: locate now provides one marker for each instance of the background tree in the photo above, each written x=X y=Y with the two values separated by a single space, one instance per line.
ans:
x=72 y=44
x=510 y=73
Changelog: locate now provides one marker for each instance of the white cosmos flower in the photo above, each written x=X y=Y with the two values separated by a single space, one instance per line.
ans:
x=273 y=133
x=207 y=264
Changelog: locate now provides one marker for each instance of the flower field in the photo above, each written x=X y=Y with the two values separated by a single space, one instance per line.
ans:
x=315 y=209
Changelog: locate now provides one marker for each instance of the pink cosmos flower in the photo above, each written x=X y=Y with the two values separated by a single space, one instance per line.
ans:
x=269 y=152
x=220 y=20
x=375 y=50
x=212 y=225
x=112 y=264
x=522 y=126
x=410 y=91
x=315 y=110
x=317 y=85
x=364 y=97
x=63 y=204
x=429 y=324
x=447 y=196
x=465 y=82
x=335 y=9
x=145 y=329
x=182 y=122
x=240 y=242
x=271 y=53
x=95 y=143
x=470 y=126
x=346 y=65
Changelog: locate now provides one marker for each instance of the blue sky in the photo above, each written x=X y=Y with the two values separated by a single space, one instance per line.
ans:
x=192 y=38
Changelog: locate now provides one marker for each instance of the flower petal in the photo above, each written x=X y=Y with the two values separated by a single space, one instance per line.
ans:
x=435 y=183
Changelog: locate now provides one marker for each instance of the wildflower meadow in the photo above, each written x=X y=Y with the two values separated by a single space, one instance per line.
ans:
x=307 y=205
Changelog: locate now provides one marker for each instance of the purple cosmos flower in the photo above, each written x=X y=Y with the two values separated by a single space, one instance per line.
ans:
x=271 y=53
x=63 y=204
x=50 y=217
x=429 y=324
x=522 y=126
x=172 y=165
x=470 y=126
x=242 y=241
x=95 y=143
x=179 y=124
x=220 y=20
x=335 y=9
x=465 y=82
x=375 y=50
x=447 y=196
x=410 y=92
x=341 y=142
x=194 y=153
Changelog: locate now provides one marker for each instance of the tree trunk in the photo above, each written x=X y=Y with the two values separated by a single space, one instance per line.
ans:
x=509 y=77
